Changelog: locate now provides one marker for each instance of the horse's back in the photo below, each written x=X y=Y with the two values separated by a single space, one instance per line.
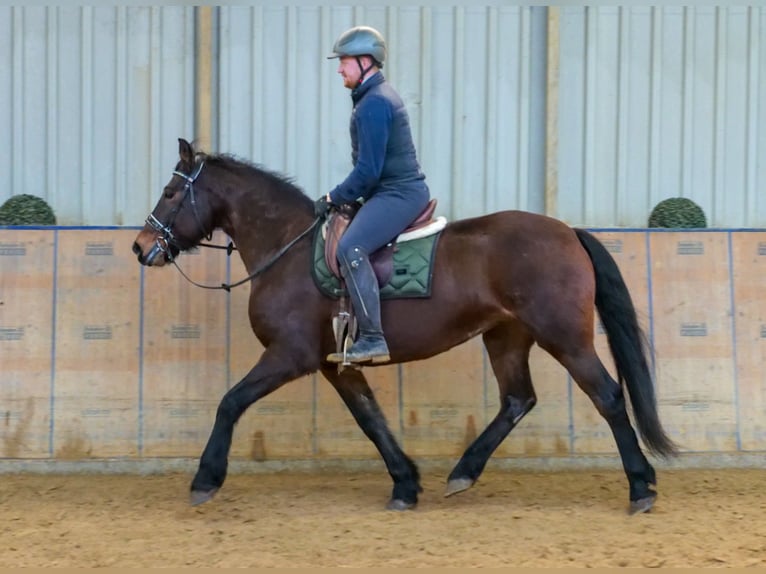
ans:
x=517 y=240
x=511 y=223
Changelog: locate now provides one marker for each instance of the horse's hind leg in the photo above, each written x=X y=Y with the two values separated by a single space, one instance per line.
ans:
x=360 y=400
x=607 y=396
x=508 y=348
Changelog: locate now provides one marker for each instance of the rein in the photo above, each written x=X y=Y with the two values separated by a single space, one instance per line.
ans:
x=228 y=286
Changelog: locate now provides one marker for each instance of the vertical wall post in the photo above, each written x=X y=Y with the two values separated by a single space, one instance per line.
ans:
x=203 y=62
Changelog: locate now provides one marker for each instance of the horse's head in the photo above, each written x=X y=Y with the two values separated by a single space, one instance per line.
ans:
x=182 y=217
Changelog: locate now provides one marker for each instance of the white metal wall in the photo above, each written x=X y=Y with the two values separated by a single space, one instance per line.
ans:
x=91 y=101
x=657 y=102
x=472 y=77
x=653 y=102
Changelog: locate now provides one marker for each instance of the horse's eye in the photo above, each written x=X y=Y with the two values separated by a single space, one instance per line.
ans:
x=169 y=193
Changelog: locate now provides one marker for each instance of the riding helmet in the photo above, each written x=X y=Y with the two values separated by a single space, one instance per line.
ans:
x=361 y=41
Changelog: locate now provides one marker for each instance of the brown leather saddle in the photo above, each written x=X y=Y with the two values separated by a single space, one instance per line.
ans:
x=383 y=259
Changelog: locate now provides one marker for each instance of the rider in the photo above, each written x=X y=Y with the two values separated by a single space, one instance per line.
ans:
x=386 y=176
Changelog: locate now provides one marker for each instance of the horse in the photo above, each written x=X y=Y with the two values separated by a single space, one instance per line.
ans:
x=516 y=278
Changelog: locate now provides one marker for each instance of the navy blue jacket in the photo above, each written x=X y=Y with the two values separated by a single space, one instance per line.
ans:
x=382 y=151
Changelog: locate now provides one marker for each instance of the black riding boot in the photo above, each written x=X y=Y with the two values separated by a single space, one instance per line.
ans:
x=364 y=293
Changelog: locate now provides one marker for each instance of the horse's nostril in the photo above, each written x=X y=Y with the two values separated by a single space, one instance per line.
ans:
x=136 y=248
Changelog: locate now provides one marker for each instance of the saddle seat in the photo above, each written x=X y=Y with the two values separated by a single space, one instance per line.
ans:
x=382 y=259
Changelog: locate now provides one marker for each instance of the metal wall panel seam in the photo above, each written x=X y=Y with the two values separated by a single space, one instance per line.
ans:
x=223 y=64
x=155 y=91
x=18 y=117
x=291 y=82
x=426 y=89
x=534 y=198
x=687 y=127
x=622 y=126
x=427 y=98
x=719 y=119
x=392 y=35
x=589 y=121
x=751 y=126
x=257 y=54
x=655 y=110
x=87 y=71
x=323 y=155
x=458 y=109
x=553 y=79
x=121 y=136
x=523 y=109
x=491 y=190
x=51 y=114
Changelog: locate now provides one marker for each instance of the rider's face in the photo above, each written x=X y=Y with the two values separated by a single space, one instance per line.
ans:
x=349 y=69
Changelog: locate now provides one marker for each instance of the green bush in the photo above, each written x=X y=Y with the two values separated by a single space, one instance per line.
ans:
x=25 y=209
x=677 y=212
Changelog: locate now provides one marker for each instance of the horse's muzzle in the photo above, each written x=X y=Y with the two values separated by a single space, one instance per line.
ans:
x=156 y=257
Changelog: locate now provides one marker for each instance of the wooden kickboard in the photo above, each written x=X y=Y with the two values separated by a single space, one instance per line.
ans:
x=97 y=335
x=748 y=273
x=442 y=401
x=693 y=338
x=184 y=354
x=27 y=259
x=143 y=358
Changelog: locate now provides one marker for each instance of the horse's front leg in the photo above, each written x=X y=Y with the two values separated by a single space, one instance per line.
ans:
x=271 y=372
x=353 y=388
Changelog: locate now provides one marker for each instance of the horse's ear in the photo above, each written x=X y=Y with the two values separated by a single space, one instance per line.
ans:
x=185 y=151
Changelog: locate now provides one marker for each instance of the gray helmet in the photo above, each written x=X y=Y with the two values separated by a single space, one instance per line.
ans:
x=360 y=41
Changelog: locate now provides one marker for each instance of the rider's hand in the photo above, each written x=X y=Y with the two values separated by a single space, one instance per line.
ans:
x=322 y=206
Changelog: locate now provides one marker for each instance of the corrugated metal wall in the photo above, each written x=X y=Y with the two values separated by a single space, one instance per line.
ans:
x=473 y=79
x=653 y=102
x=96 y=98
x=658 y=102
x=91 y=101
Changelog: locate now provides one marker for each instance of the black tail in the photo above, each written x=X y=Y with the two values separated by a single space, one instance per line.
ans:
x=628 y=344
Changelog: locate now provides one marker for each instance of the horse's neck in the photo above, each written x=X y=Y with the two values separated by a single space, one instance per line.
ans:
x=260 y=217
x=260 y=232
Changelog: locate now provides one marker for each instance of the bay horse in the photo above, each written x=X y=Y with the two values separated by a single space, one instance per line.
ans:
x=515 y=278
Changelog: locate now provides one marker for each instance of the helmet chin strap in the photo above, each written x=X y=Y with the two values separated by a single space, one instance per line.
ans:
x=363 y=70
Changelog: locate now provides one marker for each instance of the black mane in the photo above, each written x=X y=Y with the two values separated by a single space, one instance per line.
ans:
x=282 y=183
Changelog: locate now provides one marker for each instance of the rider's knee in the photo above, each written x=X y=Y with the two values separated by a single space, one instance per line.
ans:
x=351 y=255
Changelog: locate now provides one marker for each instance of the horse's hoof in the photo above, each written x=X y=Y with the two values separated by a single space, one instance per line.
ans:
x=201 y=496
x=641 y=505
x=399 y=504
x=456 y=485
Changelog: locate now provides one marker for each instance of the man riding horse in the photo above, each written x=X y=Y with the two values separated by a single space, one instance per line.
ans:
x=386 y=175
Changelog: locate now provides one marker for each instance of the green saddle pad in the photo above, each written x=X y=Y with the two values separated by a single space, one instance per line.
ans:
x=411 y=276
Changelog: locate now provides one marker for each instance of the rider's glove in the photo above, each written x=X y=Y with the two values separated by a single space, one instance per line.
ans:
x=322 y=206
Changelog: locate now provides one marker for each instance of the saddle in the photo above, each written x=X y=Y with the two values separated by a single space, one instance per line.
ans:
x=382 y=260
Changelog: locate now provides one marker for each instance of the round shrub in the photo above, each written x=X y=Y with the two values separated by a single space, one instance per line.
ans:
x=677 y=212
x=25 y=209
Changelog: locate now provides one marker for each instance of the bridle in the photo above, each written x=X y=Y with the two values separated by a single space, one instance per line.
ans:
x=163 y=242
x=166 y=237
